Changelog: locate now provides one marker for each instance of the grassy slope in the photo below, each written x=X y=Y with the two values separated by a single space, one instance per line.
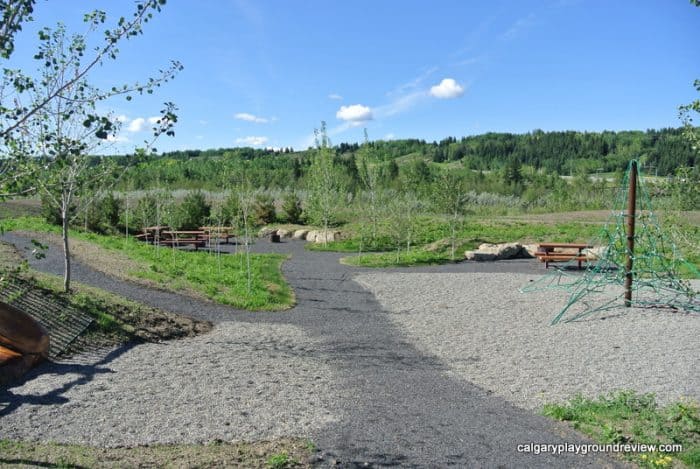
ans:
x=626 y=417
x=117 y=319
x=219 y=278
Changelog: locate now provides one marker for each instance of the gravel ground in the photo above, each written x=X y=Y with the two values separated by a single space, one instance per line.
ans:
x=239 y=382
x=491 y=335
x=337 y=368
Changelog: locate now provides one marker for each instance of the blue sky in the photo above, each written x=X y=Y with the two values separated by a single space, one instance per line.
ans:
x=266 y=73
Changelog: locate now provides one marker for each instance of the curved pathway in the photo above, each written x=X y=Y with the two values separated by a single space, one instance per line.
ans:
x=401 y=408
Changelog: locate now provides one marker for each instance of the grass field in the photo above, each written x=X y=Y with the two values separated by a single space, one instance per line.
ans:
x=218 y=278
x=430 y=237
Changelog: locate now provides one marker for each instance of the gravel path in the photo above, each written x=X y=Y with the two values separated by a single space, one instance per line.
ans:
x=338 y=368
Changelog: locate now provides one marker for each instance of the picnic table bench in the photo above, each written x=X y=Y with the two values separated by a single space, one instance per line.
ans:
x=219 y=232
x=196 y=238
x=562 y=252
x=152 y=234
x=166 y=236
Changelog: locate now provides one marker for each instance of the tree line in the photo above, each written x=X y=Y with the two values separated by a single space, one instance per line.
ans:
x=660 y=152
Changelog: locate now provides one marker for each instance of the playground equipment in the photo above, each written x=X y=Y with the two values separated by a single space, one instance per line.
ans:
x=35 y=324
x=637 y=266
x=23 y=342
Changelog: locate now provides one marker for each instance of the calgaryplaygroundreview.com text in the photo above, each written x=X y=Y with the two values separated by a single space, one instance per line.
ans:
x=583 y=449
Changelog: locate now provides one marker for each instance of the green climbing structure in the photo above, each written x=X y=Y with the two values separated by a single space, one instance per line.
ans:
x=636 y=264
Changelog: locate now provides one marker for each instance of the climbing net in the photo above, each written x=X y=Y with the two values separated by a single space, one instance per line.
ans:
x=651 y=274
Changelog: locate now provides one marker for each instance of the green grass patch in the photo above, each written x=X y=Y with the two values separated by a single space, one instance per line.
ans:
x=281 y=461
x=469 y=237
x=284 y=453
x=430 y=229
x=626 y=417
x=118 y=319
x=221 y=278
x=413 y=257
x=474 y=231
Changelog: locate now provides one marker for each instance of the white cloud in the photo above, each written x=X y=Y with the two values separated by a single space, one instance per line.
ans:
x=447 y=89
x=357 y=114
x=244 y=116
x=121 y=118
x=252 y=141
x=153 y=120
x=335 y=96
x=137 y=125
x=389 y=136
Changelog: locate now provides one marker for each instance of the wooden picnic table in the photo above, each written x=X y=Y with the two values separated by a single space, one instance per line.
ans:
x=217 y=228
x=156 y=229
x=552 y=252
x=184 y=233
x=195 y=238
x=219 y=232
x=152 y=234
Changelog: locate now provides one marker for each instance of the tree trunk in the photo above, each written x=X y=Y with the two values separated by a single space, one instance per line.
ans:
x=454 y=237
x=66 y=249
x=247 y=259
x=126 y=219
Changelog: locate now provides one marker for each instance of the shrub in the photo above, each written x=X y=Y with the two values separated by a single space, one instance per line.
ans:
x=103 y=214
x=193 y=211
x=154 y=208
x=264 y=209
x=232 y=209
x=51 y=213
x=291 y=206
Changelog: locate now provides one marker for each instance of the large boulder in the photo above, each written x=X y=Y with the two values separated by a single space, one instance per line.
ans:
x=326 y=236
x=530 y=250
x=321 y=236
x=492 y=252
x=266 y=231
x=282 y=233
x=510 y=251
x=479 y=256
x=300 y=234
x=311 y=236
x=595 y=253
x=502 y=251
